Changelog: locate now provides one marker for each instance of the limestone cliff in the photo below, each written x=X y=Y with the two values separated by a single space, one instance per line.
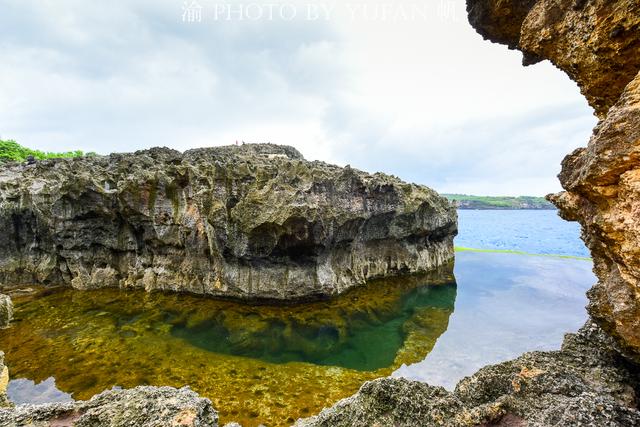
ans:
x=250 y=222
x=597 y=43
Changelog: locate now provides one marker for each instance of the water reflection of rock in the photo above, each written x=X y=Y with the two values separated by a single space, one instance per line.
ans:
x=366 y=331
x=91 y=341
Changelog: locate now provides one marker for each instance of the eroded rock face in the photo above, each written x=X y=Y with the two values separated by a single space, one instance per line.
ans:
x=597 y=43
x=140 y=406
x=584 y=384
x=251 y=222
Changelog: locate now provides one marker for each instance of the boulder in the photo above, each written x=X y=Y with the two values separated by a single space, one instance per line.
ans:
x=140 y=406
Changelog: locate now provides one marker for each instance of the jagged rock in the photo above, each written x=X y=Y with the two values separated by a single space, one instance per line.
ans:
x=6 y=310
x=137 y=407
x=251 y=221
x=584 y=384
x=597 y=43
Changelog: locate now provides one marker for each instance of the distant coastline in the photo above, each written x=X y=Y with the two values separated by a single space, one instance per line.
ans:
x=464 y=201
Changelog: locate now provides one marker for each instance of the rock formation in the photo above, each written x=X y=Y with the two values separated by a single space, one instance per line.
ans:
x=249 y=222
x=597 y=43
x=140 y=406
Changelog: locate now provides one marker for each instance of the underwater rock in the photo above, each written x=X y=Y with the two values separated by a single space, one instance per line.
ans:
x=6 y=310
x=597 y=43
x=140 y=406
x=249 y=222
x=584 y=384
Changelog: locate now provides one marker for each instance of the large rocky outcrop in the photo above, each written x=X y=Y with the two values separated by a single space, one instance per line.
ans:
x=250 y=222
x=584 y=384
x=140 y=406
x=597 y=43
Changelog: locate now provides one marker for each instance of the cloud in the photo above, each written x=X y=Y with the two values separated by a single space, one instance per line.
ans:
x=426 y=99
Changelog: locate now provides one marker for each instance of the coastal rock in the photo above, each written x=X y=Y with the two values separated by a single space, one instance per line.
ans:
x=6 y=310
x=248 y=222
x=140 y=406
x=597 y=43
x=584 y=384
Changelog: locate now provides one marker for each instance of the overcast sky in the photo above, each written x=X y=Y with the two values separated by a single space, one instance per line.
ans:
x=403 y=87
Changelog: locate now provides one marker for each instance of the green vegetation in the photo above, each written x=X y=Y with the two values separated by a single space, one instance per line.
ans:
x=485 y=202
x=509 y=251
x=11 y=151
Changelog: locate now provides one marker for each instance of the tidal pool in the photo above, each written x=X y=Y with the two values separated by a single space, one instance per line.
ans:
x=258 y=364
x=270 y=365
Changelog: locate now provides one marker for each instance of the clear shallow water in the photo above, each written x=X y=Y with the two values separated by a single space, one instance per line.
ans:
x=531 y=231
x=258 y=364
x=361 y=340
x=271 y=365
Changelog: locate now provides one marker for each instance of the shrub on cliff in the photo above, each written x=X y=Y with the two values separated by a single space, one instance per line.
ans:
x=11 y=151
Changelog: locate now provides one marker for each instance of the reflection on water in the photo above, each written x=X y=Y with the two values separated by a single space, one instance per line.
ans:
x=27 y=391
x=258 y=364
x=365 y=340
x=506 y=305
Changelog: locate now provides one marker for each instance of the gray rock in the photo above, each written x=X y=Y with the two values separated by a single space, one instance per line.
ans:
x=137 y=407
x=6 y=310
x=249 y=222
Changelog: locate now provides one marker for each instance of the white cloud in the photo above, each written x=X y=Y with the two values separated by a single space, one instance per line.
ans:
x=425 y=99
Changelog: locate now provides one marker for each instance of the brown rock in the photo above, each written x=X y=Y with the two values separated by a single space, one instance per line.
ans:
x=597 y=43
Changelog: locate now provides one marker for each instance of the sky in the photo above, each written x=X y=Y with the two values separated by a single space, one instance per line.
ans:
x=402 y=87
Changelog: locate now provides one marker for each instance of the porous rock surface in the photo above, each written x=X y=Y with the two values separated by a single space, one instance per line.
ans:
x=586 y=383
x=597 y=43
x=250 y=222
x=140 y=406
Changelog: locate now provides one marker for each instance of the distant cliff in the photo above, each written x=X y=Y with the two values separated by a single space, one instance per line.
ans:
x=249 y=222
x=463 y=201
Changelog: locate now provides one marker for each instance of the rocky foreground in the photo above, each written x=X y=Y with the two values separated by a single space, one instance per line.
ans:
x=248 y=222
x=586 y=383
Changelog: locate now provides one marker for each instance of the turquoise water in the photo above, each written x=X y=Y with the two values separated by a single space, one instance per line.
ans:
x=362 y=340
x=532 y=231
